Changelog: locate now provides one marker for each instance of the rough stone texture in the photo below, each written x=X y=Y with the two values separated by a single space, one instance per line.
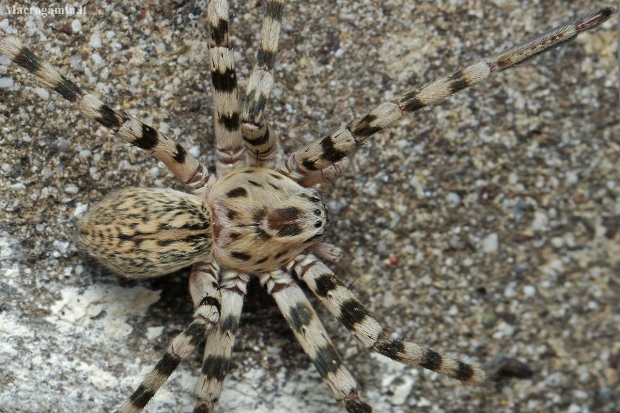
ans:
x=485 y=225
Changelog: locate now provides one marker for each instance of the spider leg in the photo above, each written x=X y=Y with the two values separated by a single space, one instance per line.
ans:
x=327 y=252
x=329 y=174
x=351 y=313
x=204 y=281
x=219 y=345
x=258 y=137
x=183 y=165
x=323 y=153
x=313 y=338
x=230 y=151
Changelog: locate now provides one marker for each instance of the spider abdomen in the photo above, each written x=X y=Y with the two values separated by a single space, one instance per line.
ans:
x=142 y=233
x=263 y=220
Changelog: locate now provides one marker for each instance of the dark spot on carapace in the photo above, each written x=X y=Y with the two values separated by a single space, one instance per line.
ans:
x=261 y=235
x=281 y=217
x=237 y=193
x=231 y=215
x=241 y=256
x=259 y=215
x=289 y=230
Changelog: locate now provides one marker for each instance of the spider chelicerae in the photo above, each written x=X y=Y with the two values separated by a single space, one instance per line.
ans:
x=299 y=217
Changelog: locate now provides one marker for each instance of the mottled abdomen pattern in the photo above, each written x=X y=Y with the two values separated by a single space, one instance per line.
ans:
x=262 y=220
x=141 y=233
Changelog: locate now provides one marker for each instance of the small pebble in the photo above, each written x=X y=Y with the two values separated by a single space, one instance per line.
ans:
x=72 y=189
x=153 y=332
x=490 y=243
x=401 y=391
x=509 y=291
x=540 y=221
x=571 y=178
x=41 y=92
x=95 y=40
x=76 y=26
x=62 y=144
x=529 y=290
x=453 y=199
x=513 y=178
x=454 y=310
x=388 y=299
x=557 y=242
x=97 y=58
x=6 y=82
x=80 y=209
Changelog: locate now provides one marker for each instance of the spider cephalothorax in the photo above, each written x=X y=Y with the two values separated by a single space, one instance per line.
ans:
x=252 y=214
x=262 y=219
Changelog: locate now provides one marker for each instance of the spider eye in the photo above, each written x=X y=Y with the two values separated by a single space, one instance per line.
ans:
x=317 y=212
x=318 y=224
